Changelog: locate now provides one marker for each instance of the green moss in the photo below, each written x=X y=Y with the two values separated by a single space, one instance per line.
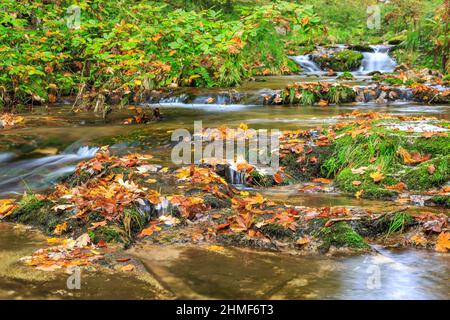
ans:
x=340 y=234
x=344 y=60
x=109 y=233
x=216 y=203
x=419 y=178
x=436 y=145
x=346 y=76
x=36 y=212
x=341 y=94
x=277 y=231
x=441 y=201
x=344 y=180
x=397 y=81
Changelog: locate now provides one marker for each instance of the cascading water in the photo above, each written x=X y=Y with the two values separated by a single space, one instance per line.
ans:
x=235 y=177
x=40 y=173
x=379 y=60
x=306 y=63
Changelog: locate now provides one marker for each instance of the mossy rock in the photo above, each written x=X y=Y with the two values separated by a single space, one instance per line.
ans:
x=277 y=231
x=35 y=212
x=341 y=94
x=309 y=168
x=419 y=177
x=344 y=60
x=440 y=201
x=360 y=48
x=396 y=40
x=340 y=234
x=346 y=76
x=216 y=203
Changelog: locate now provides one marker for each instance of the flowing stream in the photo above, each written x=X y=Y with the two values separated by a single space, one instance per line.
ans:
x=34 y=157
x=378 y=60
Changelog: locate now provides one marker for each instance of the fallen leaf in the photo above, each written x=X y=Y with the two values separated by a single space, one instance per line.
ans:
x=149 y=231
x=431 y=169
x=96 y=225
x=419 y=240
x=443 y=242
x=60 y=228
x=302 y=241
x=412 y=158
x=128 y=267
x=356 y=182
x=358 y=194
x=83 y=240
x=322 y=180
x=278 y=178
x=7 y=206
x=398 y=187
x=377 y=176
x=215 y=248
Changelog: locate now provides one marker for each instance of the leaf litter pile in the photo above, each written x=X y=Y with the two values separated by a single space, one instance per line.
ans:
x=112 y=200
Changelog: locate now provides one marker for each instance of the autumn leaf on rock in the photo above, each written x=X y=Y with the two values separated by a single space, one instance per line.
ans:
x=418 y=240
x=128 y=268
x=60 y=228
x=302 y=241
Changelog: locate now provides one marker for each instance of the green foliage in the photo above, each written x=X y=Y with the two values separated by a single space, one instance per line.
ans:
x=132 y=46
x=398 y=223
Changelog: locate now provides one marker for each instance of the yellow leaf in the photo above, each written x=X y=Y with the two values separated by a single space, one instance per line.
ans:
x=443 y=242
x=419 y=240
x=60 y=228
x=377 y=176
x=243 y=126
x=359 y=194
x=215 y=248
x=7 y=207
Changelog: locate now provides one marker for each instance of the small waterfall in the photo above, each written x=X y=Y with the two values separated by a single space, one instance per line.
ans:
x=306 y=63
x=41 y=172
x=379 y=60
x=235 y=177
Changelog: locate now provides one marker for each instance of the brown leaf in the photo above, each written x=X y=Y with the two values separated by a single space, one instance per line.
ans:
x=278 y=178
x=431 y=169
x=398 y=187
x=356 y=182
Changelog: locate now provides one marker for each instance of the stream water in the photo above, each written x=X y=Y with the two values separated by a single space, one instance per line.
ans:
x=34 y=157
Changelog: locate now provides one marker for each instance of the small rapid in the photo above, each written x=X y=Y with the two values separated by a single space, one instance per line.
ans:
x=378 y=60
x=39 y=173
